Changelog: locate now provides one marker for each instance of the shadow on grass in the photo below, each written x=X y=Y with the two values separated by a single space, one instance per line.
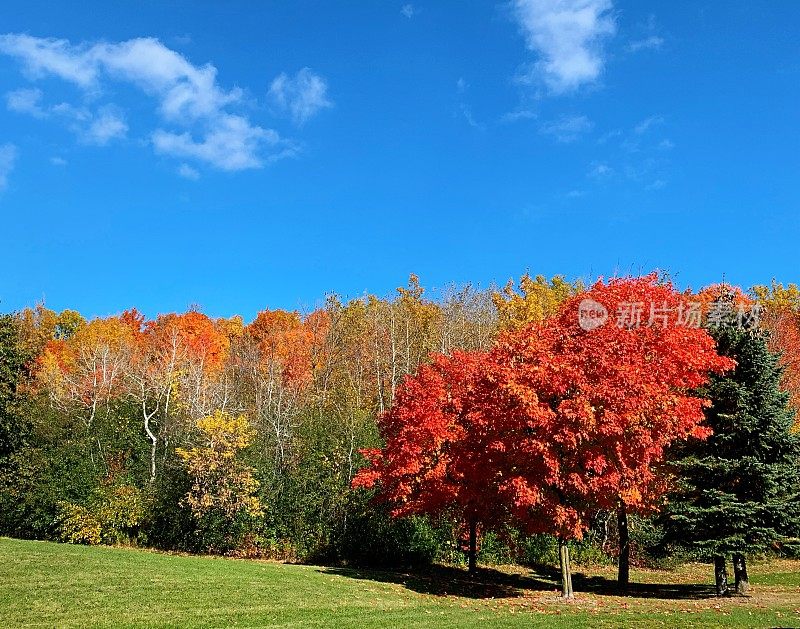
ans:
x=445 y=580
x=491 y=583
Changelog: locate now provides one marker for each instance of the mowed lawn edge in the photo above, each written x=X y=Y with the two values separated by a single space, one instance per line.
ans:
x=44 y=584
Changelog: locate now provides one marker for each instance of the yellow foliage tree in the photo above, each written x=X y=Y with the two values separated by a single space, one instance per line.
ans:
x=221 y=482
x=776 y=297
x=535 y=299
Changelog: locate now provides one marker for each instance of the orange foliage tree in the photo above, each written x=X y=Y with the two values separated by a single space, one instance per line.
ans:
x=781 y=317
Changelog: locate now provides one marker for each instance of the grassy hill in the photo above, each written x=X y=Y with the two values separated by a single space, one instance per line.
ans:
x=44 y=585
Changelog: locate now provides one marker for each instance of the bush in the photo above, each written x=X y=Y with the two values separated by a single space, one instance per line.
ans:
x=543 y=550
x=538 y=550
x=373 y=538
x=78 y=525
x=113 y=516
x=496 y=549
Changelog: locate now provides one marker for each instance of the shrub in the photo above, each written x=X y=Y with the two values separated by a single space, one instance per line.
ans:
x=113 y=516
x=78 y=525
x=375 y=539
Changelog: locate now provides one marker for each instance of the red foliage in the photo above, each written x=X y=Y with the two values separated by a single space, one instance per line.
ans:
x=135 y=320
x=554 y=423
x=443 y=450
x=603 y=404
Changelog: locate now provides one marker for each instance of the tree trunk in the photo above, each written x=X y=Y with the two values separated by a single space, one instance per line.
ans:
x=472 y=555
x=721 y=575
x=566 y=569
x=740 y=573
x=624 y=568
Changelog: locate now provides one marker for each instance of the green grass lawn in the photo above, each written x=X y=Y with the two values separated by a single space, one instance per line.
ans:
x=45 y=585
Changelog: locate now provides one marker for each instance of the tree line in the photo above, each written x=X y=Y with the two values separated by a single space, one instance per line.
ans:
x=408 y=428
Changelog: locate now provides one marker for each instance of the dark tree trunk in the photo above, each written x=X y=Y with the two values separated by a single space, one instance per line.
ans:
x=740 y=573
x=624 y=571
x=721 y=575
x=472 y=554
x=566 y=569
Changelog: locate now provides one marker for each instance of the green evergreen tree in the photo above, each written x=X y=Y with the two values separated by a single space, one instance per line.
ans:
x=738 y=490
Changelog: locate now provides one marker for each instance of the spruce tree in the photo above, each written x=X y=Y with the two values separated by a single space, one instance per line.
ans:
x=738 y=490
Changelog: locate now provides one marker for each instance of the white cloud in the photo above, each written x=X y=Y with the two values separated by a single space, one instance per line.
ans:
x=44 y=56
x=186 y=92
x=301 y=97
x=568 y=37
x=187 y=172
x=8 y=157
x=98 y=127
x=231 y=144
x=58 y=161
x=567 y=128
x=408 y=10
x=26 y=101
x=188 y=96
x=653 y=42
x=108 y=125
x=70 y=112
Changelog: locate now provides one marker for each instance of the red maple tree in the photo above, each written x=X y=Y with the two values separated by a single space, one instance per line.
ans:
x=602 y=404
x=444 y=451
x=558 y=421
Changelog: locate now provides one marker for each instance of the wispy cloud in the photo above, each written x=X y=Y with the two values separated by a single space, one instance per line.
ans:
x=43 y=57
x=8 y=157
x=653 y=42
x=92 y=127
x=638 y=156
x=187 y=172
x=26 y=101
x=600 y=170
x=568 y=38
x=567 y=128
x=107 y=125
x=58 y=161
x=648 y=37
x=466 y=111
x=656 y=184
x=648 y=123
x=189 y=98
x=408 y=10
x=301 y=97
x=609 y=135
x=518 y=114
x=231 y=144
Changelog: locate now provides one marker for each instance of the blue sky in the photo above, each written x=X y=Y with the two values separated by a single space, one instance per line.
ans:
x=245 y=155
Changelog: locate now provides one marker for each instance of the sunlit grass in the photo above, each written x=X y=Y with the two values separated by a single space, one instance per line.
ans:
x=45 y=585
